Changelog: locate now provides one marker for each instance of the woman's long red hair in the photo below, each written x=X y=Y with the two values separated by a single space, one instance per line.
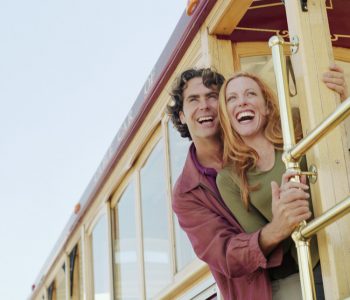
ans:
x=236 y=153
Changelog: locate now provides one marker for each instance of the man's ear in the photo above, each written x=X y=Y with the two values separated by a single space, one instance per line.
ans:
x=182 y=117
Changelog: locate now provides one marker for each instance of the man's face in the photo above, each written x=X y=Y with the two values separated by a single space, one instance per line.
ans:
x=200 y=113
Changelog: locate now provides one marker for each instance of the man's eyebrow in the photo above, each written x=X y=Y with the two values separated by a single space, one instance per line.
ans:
x=212 y=93
x=192 y=96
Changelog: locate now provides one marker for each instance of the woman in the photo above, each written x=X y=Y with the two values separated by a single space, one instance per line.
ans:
x=249 y=183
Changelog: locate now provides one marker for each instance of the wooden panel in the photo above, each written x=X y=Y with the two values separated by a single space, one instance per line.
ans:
x=310 y=62
x=226 y=15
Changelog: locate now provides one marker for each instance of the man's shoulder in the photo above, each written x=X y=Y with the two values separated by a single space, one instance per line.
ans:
x=182 y=182
x=179 y=183
x=180 y=193
x=187 y=180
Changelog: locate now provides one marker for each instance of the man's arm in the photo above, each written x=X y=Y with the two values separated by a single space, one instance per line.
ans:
x=216 y=241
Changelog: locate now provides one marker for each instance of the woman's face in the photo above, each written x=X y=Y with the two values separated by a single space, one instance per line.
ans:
x=246 y=107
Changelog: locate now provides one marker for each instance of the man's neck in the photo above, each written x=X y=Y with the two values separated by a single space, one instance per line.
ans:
x=209 y=154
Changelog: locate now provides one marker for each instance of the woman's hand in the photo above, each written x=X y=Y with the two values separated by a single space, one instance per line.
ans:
x=335 y=80
x=290 y=206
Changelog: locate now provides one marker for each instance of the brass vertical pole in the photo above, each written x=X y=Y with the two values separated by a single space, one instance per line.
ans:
x=302 y=245
x=276 y=45
x=305 y=266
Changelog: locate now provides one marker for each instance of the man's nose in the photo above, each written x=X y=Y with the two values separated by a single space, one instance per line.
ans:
x=203 y=104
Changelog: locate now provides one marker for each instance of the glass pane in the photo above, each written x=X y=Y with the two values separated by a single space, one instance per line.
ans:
x=100 y=259
x=74 y=260
x=61 y=284
x=125 y=247
x=81 y=274
x=155 y=222
x=51 y=291
x=261 y=65
x=178 y=148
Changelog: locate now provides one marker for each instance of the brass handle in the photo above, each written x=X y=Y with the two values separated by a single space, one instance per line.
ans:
x=307 y=173
x=311 y=173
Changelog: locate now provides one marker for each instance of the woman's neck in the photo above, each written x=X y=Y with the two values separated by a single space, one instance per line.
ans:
x=265 y=150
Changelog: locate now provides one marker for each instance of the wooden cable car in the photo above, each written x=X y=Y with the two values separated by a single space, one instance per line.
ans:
x=122 y=241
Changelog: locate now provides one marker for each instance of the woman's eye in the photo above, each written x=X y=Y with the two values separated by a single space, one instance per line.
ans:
x=232 y=98
x=252 y=93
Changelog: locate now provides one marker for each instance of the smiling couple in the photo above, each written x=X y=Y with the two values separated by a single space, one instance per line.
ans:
x=233 y=197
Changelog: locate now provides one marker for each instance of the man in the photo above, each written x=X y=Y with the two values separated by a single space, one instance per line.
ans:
x=238 y=261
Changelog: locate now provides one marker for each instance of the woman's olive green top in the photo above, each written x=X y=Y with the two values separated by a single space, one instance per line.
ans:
x=260 y=210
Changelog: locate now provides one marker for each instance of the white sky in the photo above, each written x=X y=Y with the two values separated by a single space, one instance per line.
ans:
x=70 y=71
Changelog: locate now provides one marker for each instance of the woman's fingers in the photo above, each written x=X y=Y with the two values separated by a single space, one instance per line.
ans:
x=335 y=67
x=303 y=179
x=298 y=204
x=293 y=194
x=295 y=219
x=295 y=185
x=294 y=211
x=335 y=80
x=340 y=89
x=287 y=176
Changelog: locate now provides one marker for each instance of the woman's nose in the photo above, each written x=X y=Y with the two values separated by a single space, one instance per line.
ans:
x=242 y=101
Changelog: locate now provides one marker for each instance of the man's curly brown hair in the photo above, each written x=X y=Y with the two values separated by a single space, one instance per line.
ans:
x=210 y=79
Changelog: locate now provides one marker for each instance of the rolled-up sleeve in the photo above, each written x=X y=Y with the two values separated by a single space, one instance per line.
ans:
x=217 y=241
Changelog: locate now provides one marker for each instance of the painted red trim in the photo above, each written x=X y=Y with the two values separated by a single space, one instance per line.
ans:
x=273 y=19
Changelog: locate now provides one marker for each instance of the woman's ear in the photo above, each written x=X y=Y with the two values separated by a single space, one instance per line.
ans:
x=267 y=109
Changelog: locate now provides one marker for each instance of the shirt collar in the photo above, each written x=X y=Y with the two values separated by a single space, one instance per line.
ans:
x=203 y=170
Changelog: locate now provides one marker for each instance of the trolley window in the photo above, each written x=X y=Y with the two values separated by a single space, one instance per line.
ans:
x=178 y=149
x=125 y=247
x=155 y=222
x=100 y=256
